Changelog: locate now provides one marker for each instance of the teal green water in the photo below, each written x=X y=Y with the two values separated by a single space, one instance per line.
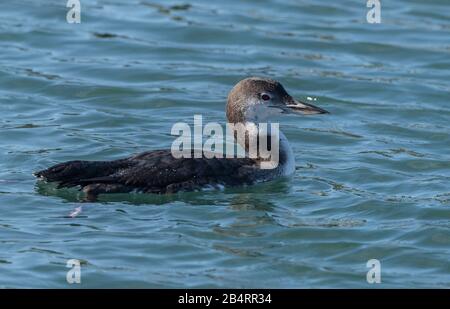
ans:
x=372 y=178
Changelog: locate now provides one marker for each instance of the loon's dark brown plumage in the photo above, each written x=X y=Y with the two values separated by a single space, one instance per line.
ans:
x=151 y=172
x=159 y=172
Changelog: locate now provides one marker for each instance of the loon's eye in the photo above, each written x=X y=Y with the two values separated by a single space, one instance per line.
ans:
x=265 y=97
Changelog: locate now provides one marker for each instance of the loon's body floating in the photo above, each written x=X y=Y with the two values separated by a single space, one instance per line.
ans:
x=251 y=101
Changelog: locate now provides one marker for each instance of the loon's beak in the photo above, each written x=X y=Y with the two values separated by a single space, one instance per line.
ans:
x=294 y=106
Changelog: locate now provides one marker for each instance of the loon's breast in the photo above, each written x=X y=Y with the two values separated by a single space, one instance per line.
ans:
x=287 y=158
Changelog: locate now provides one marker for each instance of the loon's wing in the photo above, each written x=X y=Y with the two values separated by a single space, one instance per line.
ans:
x=159 y=172
x=154 y=171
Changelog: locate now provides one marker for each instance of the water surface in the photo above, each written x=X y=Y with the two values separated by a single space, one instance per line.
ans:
x=372 y=178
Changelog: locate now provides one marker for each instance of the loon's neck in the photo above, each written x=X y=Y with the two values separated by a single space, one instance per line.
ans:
x=286 y=159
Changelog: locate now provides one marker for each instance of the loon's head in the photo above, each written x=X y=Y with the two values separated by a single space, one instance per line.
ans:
x=257 y=99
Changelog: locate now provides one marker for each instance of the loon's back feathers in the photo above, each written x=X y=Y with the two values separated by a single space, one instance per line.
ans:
x=154 y=171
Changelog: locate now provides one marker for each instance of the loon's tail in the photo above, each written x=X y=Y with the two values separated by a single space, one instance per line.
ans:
x=74 y=173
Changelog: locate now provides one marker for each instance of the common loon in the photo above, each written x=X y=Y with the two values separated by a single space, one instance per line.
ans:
x=251 y=101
